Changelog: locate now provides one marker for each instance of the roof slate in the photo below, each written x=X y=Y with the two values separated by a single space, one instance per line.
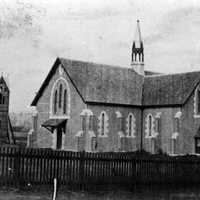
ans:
x=105 y=84
x=171 y=89
x=98 y=83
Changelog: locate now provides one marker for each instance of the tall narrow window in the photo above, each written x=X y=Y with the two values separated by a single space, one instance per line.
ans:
x=198 y=101
x=65 y=102
x=150 y=125
x=157 y=125
x=102 y=124
x=60 y=96
x=130 y=125
x=55 y=102
x=149 y=122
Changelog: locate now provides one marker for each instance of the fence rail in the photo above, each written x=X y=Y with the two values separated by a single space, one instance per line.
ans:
x=19 y=167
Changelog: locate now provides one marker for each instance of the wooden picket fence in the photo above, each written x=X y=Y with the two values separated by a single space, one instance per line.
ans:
x=20 y=167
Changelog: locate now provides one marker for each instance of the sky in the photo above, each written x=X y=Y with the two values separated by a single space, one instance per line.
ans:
x=33 y=33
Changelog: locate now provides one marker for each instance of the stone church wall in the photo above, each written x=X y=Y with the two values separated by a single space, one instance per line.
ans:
x=111 y=142
x=44 y=137
x=161 y=141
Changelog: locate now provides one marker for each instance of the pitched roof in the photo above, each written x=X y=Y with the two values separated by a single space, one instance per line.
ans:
x=100 y=83
x=171 y=89
x=3 y=81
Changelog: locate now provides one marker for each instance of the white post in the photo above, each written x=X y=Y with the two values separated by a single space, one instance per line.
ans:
x=55 y=188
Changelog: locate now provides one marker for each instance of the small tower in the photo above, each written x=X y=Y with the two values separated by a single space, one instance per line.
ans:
x=137 y=59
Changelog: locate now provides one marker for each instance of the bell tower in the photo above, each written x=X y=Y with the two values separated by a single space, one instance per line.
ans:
x=137 y=58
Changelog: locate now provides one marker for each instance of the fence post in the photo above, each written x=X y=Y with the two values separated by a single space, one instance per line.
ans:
x=17 y=168
x=81 y=169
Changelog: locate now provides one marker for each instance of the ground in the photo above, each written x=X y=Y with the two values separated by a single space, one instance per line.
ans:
x=161 y=193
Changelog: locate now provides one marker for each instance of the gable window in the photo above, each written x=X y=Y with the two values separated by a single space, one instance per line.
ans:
x=55 y=101
x=60 y=99
x=65 y=102
x=130 y=125
x=149 y=126
x=60 y=96
x=103 y=124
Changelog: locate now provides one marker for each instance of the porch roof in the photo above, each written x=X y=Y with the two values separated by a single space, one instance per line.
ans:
x=53 y=123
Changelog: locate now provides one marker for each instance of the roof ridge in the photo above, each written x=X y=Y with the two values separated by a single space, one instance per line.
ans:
x=181 y=73
x=97 y=64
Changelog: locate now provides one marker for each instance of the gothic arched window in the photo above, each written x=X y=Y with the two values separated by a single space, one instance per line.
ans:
x=130 y=125
x=65 y=102
x=103 y=124
x=55 y=102
x=149 y=125
x=60 y=96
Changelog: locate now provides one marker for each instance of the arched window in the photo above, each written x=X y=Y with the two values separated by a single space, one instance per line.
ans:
x=60 y=96
x=60 y=99
x=130 y=125
x=149 y=126
x=65 y=102
x=103 y=124
x=55 y=102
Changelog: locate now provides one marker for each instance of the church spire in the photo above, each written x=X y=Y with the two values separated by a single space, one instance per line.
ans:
x=137 y=59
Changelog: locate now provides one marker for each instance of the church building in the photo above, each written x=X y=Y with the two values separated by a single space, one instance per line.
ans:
x=97 y=108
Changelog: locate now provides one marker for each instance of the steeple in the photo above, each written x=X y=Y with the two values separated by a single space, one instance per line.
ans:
x=137 y=58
